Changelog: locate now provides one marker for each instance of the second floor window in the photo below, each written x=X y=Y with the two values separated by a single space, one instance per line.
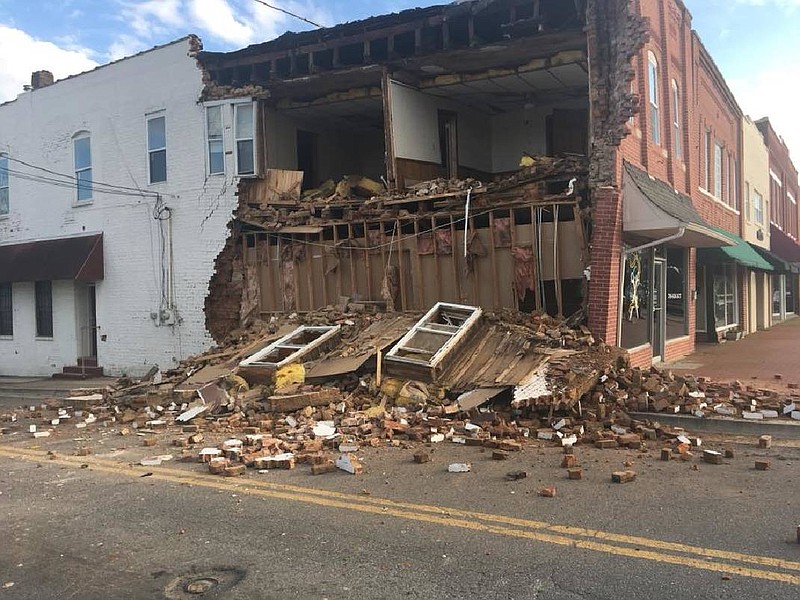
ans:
x=758 y=208
x=676 y=119
x=216 y=145
x=718 y=171
x=82 y=150
x=157 y=148
x=243 y=132
x=655 y=123
x=4 y=194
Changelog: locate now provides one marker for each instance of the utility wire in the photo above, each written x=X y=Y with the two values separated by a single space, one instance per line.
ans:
x=71 y=178
x=71 y=184
x=288 y=12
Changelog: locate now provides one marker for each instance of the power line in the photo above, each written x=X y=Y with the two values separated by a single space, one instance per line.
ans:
x=99 y=185
x=288 y=12
x=72 y=184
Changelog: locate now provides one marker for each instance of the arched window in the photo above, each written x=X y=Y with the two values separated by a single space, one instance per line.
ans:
x=652 y=77
x=82 y=155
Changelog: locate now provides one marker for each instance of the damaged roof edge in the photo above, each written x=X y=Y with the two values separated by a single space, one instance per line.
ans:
x=294 y=39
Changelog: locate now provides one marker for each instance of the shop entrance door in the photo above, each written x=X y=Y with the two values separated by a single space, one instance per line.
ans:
x=659 y=316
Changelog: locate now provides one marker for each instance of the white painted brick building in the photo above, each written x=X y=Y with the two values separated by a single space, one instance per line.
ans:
x=149 y=301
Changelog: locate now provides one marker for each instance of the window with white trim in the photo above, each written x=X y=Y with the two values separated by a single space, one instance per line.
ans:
x=216 y=144
x=244 y=128
x=82 y=153
x=157 y=148
x=655 y=123
x=707 y=153
x=758 y=208
x=718 y=171
x=4 y=189
x=677 y=144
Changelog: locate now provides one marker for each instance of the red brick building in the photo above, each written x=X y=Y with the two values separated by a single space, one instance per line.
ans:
x=783 y=217
x=681 y=271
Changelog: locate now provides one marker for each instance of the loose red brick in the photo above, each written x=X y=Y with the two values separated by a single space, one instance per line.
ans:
x=499 y=455
x=420 y=456
x=548 y=492
x=196 y=438
x=190 y=429
x=762 y=465
x=765 y=441
x=606 y=444
x=217 y=465
x=569 y=461
x=149 y=442
x=575 y=473
x=84 y=451
x=326 y=467
x=234 y=470
x=666 y=453
x=623 y=476
x=729 y=453
x=510 y=446
x=712 y=457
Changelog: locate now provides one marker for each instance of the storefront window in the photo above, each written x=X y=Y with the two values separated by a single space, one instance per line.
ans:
x=636 y=301
x=725 y=296
x=676 y=293
x=791 y=281
x=777 y=295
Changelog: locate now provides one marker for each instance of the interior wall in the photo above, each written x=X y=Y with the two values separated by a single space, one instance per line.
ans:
x=415 y=129
x=524 y=130
x=364 y=156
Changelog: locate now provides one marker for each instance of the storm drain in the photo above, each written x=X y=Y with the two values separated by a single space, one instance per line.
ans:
x=212 y=583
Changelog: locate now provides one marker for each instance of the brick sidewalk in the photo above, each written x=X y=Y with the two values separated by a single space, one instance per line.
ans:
x=759 y=356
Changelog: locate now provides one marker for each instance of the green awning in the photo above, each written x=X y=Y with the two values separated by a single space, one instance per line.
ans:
x=740 y=252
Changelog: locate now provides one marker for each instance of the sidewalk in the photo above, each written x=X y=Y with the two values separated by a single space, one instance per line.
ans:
x=15 y=391
x=759 y=356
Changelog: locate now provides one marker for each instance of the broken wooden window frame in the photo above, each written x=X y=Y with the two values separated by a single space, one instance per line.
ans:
x=326 y=333
x=429 y=325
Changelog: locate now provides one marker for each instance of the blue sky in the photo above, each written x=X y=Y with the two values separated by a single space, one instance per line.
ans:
x=753 y=42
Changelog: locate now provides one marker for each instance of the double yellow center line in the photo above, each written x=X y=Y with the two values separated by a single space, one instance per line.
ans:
x=707 y=559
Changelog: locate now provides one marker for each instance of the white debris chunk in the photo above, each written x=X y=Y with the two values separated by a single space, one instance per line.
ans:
x=459 y=468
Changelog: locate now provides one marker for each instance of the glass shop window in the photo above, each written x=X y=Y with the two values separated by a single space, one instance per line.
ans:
x=636 y=299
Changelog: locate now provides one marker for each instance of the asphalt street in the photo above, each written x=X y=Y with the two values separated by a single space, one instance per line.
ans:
x=102 y=526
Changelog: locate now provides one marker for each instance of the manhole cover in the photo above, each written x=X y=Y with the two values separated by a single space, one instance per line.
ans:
x=211 y=583
x=201 y=585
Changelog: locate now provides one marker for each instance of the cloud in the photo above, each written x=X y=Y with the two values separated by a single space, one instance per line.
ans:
x=756 y=100
x=152 y=17
x=125 y=45
x=219 y=18
x=789 y=5
x=21 y=54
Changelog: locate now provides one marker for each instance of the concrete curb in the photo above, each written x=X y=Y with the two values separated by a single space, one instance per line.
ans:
x=779 y=429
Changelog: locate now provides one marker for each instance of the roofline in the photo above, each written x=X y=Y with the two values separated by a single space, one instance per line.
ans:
x=716 y=74
x=185 y=38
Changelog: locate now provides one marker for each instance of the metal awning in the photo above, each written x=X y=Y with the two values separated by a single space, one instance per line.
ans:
x=652 y=210
x=783 y=245
x=739 y=251
x=78 y=258
x=776 y=261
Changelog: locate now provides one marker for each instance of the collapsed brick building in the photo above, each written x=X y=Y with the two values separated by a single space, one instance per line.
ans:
x=535 y=155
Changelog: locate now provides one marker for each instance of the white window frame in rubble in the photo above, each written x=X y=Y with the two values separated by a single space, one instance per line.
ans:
x=290 y=342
